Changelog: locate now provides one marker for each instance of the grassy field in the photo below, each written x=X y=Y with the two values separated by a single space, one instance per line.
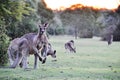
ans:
x=94 y=60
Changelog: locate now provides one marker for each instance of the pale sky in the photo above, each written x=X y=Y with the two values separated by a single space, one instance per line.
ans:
x=108 y=4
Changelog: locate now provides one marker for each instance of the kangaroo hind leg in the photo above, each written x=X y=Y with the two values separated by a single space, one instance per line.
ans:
x=17 y=60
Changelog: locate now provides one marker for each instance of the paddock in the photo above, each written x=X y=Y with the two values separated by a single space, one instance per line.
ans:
x=93 y=60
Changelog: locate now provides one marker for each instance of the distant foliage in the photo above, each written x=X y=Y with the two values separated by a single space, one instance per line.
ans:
x=44 y=13
x=59 y=31
x=86 y=34
x=118 y=10
x=18 y=29
x=116 y=34
x=4 y=41
x=79 y=20
x=109 y=22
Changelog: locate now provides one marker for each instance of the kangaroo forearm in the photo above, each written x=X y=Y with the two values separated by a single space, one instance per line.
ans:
x=37 y=52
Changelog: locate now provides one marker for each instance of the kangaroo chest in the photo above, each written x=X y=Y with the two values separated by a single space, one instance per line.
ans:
x=38 y=43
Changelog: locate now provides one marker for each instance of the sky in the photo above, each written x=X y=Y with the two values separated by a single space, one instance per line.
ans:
x=57 y=4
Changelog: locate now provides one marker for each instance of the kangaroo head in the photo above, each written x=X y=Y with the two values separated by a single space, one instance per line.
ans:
x=72 y=41
x=42 y=28
x=50 y=51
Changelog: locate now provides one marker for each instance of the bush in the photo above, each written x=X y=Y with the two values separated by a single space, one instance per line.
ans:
x=4 y=41
x=111 y=30
x=56 y=31
x=59 y=31
x=86 y=34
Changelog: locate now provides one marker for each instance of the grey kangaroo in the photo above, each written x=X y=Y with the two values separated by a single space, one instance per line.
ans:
x=70 y=46
x=37 y=41
x=17 y=50
x=50 y=52
x=32 y=42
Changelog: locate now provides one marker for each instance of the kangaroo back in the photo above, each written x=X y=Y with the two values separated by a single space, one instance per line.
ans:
x=70 y=46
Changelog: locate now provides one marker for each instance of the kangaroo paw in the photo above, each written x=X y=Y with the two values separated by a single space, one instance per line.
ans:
x=40 y=59
x=44 y=61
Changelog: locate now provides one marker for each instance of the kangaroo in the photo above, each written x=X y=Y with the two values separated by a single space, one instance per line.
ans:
x=17 y=50
x=37 y=41
x=70 y=46
x=50 y=52
x=109 y=39
x=32 y=42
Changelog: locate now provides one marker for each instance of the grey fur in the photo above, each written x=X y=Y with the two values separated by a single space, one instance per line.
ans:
x=70 y=46
x=28 y=44
x=17 y=51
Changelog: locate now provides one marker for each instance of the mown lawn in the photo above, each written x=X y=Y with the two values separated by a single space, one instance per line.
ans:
x=94 y=60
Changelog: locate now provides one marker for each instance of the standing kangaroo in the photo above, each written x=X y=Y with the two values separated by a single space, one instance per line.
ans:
x=37 y=41
x=109 y=38
x=33 y=41
x=50 y=52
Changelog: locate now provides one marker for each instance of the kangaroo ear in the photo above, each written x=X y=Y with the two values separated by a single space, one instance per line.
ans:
x=45 y=25
x=39 y=25
x=54 y=51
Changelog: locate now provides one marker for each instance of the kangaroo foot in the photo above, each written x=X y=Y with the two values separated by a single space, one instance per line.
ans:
x=44 y=61
x=40 y=58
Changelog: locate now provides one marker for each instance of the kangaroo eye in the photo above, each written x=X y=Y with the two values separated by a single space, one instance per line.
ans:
x=40 y=28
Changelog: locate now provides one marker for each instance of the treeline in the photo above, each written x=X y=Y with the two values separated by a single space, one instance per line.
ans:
x=87 y=22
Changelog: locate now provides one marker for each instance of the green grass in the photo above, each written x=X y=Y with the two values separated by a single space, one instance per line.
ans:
x=94 y=60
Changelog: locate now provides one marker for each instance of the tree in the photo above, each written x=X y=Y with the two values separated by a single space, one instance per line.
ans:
x=116 y=36
x=45 y=14
x=11 y=12
x=109 y=21
x=79 y=20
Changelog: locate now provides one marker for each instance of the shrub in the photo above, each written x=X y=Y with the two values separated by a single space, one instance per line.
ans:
x=59 y=31
x=86 y=34
x=4 y=41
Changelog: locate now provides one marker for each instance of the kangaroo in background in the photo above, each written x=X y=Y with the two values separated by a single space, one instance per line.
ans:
x=69 y=46
x=50 y=51
x=109 y=39
x=32 y=42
